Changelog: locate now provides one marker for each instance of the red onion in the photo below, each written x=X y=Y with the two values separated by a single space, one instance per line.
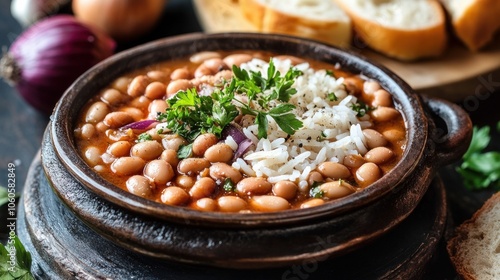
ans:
x=140 y=125
x=47 y=58
x=243 y=147
x=233 y=131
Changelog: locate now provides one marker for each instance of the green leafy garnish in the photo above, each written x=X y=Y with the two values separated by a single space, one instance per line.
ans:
x=361 y=108
x=18 y=269
x=332 y=97
x=143 y=137
x=228 y=185
x=315 y=190
x=3 y=196
x=190 y=115
x=185 y=151
x=480 y=169
x=330 y=73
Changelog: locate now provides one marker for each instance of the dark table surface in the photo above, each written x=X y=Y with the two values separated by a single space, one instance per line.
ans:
x=22 y=127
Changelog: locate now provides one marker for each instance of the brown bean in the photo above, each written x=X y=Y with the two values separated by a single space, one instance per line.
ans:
x=236 y=59
x=96 y=112
x=121 y=84
x=254 y=186
x=367 y=174
x=203 y=142
x=224 y=75
x=170 y=156
x=87 y=131
x=215 y=65
x=141 y=102
x=382 y=97
x=156 y=106
x=177 y=85
x=231 y=204
x=205 y=204
x=101 y=127
x=336 y=189
x=202 y=71
x=136 y=114
x=93 y=155
x=219 y=153
x=140 y=186
x=174 y=196
x=113 y=97
x=221 y=171
x=128 y=165
x=383 y=114
x=370 y=86
x=155 y=90
x=353 y=85
x=334 y=170
x=173 y=142
x=285 y=189
x=314 y=176
x=394 y=134
x=180 y=73
x=202 y=56
x=204 y=187
x=353 y=161
x=379 y=155
x=159 y=171
x=138 y=86
x=147 y=150
x=157 y=75
x=191 y=166
x=312 y=203
x=374 y=138
x=120 y=148
x=269 y=203
x=185 y=181
x=117 y=119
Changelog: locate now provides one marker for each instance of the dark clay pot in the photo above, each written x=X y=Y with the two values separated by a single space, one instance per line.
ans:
x=438 y=133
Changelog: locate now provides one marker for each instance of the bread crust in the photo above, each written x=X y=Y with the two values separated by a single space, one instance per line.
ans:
x=402 y=44
x=462 y=234
x=478 y=24
x=270 y=20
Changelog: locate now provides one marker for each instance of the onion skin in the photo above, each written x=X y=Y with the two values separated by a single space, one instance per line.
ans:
x=49 y=56
x=123 y=20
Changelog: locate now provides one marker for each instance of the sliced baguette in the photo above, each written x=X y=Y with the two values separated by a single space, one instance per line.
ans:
x=402 y=29
x=475 y=246
x=475 y=22
x=316 y=19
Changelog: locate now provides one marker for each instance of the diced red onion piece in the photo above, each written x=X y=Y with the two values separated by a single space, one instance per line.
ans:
x=140 y=125
x=235 y=132
x=243 y=147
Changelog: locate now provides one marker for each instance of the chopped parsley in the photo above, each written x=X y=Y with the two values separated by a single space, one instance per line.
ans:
x=332 y=97
x=22 y=267
x=190 y=115
x=330 y=73
x=228 y=185
x=315 y=191
x=361 y=108
x=185 y=151
x=143 y=137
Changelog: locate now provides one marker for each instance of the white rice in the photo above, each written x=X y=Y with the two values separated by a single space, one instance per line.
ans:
x=331 y=130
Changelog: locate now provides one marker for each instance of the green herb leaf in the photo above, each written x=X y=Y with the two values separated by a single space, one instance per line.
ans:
x=330 y=73
x=315 y=191
x=185 y=151
x=22 y=268
x=143 y=137
x=361 y=108
x=261 y=121
x=4 y=196
x=228 y=185
x=480 y=169
x=332 y=97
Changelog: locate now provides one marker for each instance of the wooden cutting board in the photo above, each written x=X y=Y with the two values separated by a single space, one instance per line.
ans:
x=456 y=75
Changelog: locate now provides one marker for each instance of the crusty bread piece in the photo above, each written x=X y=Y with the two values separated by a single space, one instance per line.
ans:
x=406 y=30
x=316 y=19
x=475 y=246
x=475 y=22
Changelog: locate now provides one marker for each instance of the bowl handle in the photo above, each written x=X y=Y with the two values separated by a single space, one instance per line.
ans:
x=452 y=131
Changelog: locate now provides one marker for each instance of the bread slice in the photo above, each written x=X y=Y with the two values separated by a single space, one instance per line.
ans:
x=320 y=20
x=402 y=29
x=475 y=247
x=474 y=21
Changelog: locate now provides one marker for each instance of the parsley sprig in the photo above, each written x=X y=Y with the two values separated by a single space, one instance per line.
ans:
x=480 y=169
x=190 y=115
x=22 y=268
